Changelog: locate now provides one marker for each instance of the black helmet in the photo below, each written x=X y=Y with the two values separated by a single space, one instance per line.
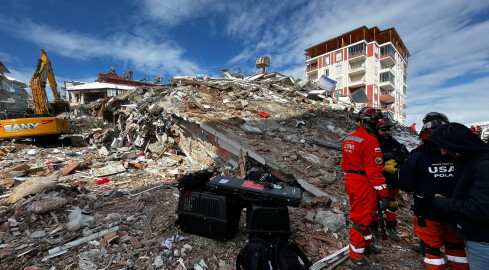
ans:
x=435 y=116
x=429 y=127
x=385 y=123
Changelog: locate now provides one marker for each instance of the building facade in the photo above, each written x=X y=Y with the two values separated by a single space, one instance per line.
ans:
x=367 y=60
x=13 y=93
x=81 y=96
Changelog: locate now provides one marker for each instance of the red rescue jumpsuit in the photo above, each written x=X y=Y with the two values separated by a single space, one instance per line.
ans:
x=364 y=183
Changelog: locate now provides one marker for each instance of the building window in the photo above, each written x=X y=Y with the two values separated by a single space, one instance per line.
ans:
x=326 y=72
x=387 y=76
x=338 y=57
x=326 y=60
x=357 y=49
x=387 y=49
x=339 y=70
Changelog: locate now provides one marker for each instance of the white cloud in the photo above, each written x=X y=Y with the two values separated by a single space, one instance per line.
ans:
x=146 y=54
x=174 y=12
x=6 y=58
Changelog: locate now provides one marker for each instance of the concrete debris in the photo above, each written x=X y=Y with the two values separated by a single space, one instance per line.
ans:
x=32 y=186
x=109 y=170
x=48 y=204
x=332 y=222
x=76 y=220
x=113 y=194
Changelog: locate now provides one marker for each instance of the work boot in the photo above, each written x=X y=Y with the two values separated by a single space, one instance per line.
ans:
x=394 y=233
x=362 y=264
x=373 y=249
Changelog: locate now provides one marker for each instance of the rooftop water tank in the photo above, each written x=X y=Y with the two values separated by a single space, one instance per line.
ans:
x=262 y=64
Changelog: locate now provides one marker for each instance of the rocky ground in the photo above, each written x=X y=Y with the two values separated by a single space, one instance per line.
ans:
x=146 y=218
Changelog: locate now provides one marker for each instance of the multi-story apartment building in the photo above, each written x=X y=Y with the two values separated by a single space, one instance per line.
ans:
x=365 y=59
x=13 y=92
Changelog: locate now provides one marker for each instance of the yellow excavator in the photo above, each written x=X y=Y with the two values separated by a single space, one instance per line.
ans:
x=40 y=122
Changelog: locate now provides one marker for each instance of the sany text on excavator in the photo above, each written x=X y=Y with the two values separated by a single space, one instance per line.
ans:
x=41 y=122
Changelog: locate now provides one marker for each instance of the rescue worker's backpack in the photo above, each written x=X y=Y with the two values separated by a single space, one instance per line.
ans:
x=277 y=254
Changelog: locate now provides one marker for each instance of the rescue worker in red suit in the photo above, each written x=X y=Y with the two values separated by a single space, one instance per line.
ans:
x=391 y=149
x=427 y=172
x=365 y=185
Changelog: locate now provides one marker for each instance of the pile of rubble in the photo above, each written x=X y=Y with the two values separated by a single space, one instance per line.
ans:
x=111 y=204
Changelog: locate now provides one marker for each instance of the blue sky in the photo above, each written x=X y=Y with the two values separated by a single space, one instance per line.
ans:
x=448 y=41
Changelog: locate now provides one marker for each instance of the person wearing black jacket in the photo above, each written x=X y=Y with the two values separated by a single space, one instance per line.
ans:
x=468 y=204
x=391 y=149
x=427 y=172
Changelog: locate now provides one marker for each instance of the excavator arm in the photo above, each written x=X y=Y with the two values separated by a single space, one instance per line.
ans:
x=42 y=74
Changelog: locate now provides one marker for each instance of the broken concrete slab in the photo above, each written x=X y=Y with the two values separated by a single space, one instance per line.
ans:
x=47 y=204
x=32 y=186
x=330 y=220
x=109 y=170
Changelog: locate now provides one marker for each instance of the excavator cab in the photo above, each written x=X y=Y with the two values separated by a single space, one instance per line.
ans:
x=59 y=107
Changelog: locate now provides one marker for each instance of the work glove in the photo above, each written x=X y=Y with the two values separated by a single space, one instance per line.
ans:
x=390 y=166
x=384 y=203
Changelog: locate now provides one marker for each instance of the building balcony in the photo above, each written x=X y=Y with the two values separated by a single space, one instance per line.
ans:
x=357 y=57
x=311 y=60
x=387 y=69
x=403 y=115
x=386 y=106
x=387 y=97
x=404 y=106
x=387 y=85
x=311 y=69
x=313 y=74
x=356 y=82
x=312 y=65
x=357 y=69
x=387 y=59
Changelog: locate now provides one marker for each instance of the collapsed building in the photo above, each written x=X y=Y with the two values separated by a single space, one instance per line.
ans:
x=154 y=134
